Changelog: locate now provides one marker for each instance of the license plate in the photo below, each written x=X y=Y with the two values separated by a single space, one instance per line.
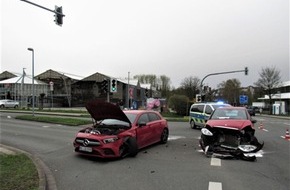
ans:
x=86 y=149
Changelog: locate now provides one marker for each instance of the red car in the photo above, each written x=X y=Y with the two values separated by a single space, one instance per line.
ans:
x=117 y=133
x=229 y=132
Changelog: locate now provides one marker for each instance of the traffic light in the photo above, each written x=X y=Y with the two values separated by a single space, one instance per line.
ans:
x=113 y=85
x=104 y=86
x=246 y=70
x=58 y=15
x=146 y=93
x=198 y=98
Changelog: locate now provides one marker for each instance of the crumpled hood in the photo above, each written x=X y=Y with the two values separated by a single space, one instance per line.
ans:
x=237 y=124
x=100 y=110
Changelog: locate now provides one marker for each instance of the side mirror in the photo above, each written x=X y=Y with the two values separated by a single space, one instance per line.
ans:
x=141 y=123
x=253 y=120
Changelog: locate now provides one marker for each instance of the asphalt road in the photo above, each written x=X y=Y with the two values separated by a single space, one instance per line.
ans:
x=179 y=164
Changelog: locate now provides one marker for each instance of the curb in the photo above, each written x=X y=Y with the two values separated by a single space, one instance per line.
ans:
x=46 y=179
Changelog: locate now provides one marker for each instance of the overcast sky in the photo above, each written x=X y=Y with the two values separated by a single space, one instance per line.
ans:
x=176 y=38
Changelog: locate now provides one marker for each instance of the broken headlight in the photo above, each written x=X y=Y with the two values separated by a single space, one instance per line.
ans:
x=206 y=132
x=247 y=148
x=110 y=140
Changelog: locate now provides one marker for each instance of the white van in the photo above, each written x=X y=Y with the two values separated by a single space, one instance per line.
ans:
x=199 y=112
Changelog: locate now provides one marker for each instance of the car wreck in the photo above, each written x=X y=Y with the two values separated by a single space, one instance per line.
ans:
x=229 y=132
x=117 y=133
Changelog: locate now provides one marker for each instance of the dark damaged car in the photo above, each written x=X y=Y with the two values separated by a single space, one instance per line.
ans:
x=229 y=132
x=116 y=133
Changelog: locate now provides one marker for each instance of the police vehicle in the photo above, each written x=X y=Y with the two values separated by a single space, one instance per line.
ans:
x=199 y=112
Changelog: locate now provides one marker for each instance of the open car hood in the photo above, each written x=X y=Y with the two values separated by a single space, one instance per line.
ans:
x=100 y=110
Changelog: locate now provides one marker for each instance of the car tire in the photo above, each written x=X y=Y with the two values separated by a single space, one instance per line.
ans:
x=164 y=136
x=129 y=148
x=15 y=107
x=192 y=124
x=2 y=106
x=133 y=148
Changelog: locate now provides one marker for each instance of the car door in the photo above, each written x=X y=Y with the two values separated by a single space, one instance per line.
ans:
x=156 y=127
x=143 y=130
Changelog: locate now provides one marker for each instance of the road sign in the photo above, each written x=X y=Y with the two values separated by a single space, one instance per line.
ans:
x=243 y=99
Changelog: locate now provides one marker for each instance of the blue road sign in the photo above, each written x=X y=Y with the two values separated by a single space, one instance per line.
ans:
x=243 y=99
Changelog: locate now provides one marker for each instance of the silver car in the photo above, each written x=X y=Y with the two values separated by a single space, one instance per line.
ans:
x=9 y=104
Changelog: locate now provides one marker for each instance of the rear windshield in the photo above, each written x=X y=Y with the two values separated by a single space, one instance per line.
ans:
x=215 y=106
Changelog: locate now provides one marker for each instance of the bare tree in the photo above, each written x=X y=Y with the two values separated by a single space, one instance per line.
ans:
x=269 y=80
x=190 y=86
x=230 y=90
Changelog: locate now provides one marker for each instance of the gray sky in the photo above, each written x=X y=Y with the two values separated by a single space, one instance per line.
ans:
x=176 y=38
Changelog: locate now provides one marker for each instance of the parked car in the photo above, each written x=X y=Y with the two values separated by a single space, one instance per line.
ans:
x=230 y=132
x=199 y=112
x=251 y=111
x=9 y=104
x=117 y=133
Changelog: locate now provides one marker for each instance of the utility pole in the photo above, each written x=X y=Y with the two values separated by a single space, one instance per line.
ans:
x=58 y=12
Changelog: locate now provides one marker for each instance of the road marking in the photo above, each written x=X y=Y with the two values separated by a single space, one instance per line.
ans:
x=171 y=137
x=9 y=117
x=214 y=186
x=283 y=137
x=45 y=126
x=265 y=130
x=215 y=162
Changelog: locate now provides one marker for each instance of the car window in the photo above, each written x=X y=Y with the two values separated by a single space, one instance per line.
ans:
x=153 y=117
x=194 y=108
x=208 y=109
x=131 y=117
x=200 y=108
x=143 y=118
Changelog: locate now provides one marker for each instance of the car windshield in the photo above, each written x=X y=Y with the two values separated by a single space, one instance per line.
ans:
x=131 y=117
x=229 y=114
x=114 y=122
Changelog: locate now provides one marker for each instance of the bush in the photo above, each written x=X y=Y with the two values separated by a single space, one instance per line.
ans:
x=179 y=103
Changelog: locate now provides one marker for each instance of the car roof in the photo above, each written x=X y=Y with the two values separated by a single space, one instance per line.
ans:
x=232 y=108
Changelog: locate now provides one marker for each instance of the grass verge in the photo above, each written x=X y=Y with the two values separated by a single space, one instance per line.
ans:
x=56 y=120
x=17 y=172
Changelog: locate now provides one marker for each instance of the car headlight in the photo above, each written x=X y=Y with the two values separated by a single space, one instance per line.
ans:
x=110 y=140
x=247 y=148
x=206 y=132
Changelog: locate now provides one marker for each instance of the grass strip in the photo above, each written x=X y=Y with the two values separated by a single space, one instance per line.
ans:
x=17 y=172
x=56 y=120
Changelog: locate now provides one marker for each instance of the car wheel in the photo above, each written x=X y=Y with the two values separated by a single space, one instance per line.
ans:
x=1 y=106
x=16 y=107
x=129 y=148
x=164 y=136
x=192 y=124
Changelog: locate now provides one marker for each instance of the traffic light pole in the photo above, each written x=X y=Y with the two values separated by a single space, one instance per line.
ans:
x=54 y=11
x=245 y=70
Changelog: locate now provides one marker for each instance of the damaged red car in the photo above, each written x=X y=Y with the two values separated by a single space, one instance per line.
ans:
x=116 y=133
x=229 y=132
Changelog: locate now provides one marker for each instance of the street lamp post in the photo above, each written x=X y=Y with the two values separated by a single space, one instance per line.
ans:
x=30 y=49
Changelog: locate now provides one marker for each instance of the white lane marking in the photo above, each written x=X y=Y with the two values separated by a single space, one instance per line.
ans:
x=214 y=186
x=215 y=162
x=45 y=126
x=265 y=130
x=171 y=137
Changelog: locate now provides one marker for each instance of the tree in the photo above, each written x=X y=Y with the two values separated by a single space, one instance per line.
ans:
x=269 y=80
x=190 y=86
x=230 y=90
x=179 y=103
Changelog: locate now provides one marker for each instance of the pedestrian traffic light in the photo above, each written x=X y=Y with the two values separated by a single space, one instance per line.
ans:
x=146 y=93
x=113 y=85
x=104 y=86
x=198 y=98
x=58 y=15
x=246 y=70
